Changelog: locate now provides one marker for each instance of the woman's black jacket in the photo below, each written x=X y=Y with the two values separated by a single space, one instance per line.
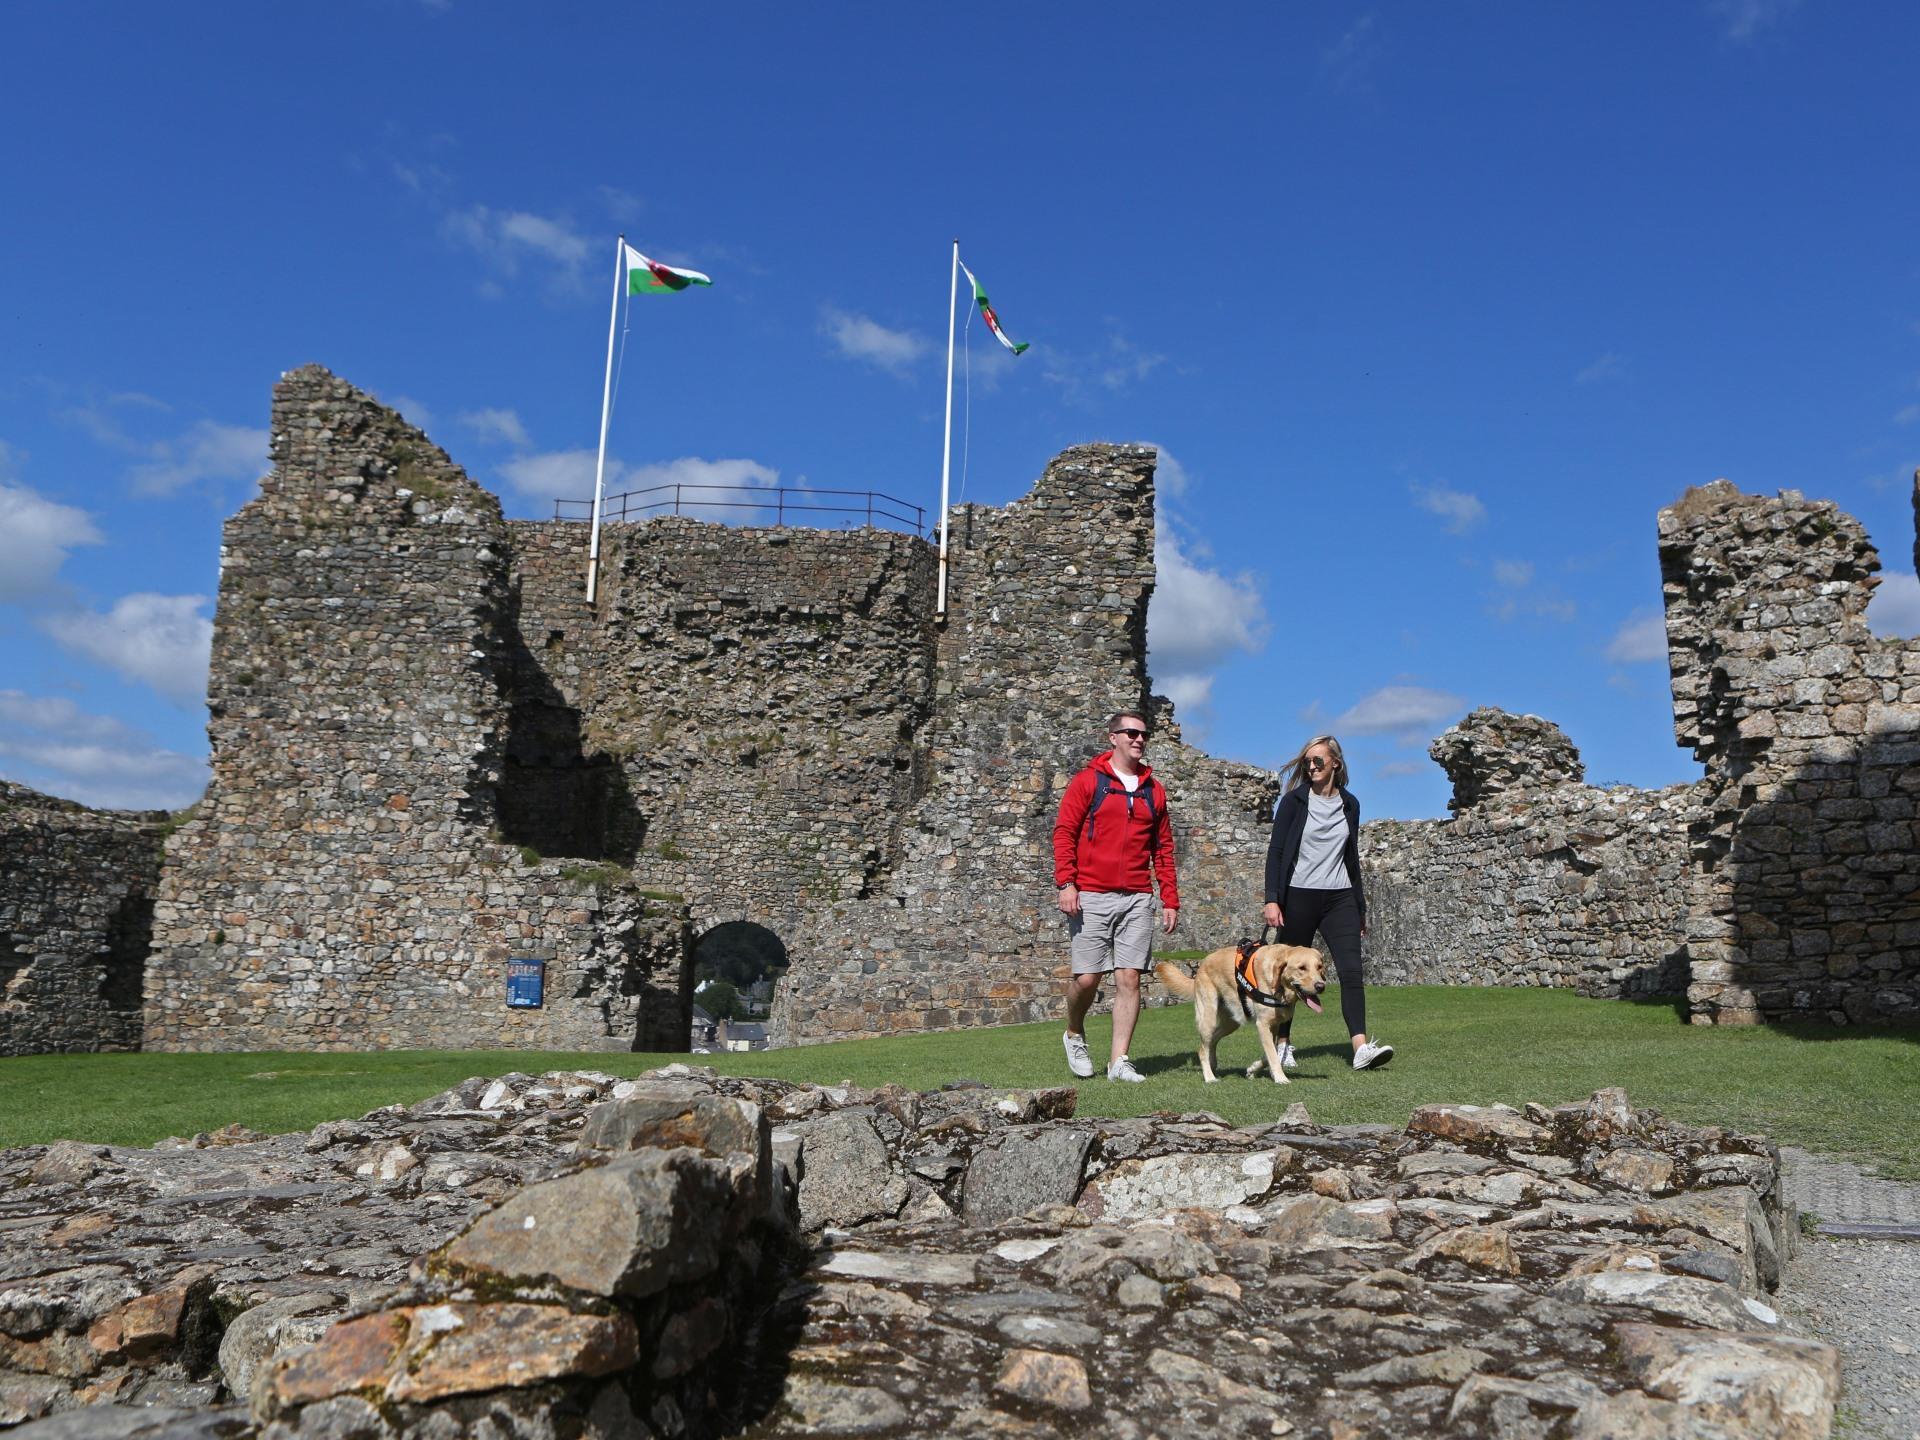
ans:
x=1289 y=824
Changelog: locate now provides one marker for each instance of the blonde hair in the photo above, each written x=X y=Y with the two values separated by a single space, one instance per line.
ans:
x=1294 y=772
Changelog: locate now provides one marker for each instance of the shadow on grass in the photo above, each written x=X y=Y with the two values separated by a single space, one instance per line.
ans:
x=1674 y=1005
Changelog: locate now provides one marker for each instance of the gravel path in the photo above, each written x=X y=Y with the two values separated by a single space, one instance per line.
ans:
x=1860 y=1295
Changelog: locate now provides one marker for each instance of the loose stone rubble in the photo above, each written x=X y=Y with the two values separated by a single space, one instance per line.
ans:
x=573 y=1256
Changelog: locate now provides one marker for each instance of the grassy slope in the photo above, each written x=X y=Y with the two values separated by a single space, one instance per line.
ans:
x=1845 y=1092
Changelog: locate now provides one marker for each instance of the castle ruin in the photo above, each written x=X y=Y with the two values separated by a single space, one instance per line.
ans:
x=431 y=757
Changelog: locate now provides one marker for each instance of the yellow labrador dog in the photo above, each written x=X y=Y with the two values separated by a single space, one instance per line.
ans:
x=1263 y=980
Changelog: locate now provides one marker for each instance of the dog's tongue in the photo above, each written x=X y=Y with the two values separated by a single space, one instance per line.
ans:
x=1312 y=1004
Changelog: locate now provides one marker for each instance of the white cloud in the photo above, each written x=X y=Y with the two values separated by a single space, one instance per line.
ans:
x=695 y=472
x=507 y=239
x=1169 y=475
x=413 y=411
x=502 y=427
x=568 y=475
x=1196 y=619
x=1459 y=511
x=1609 y=366
x=53 y=745
x=159 y=640
x=55 y=715
x=1395 y=709
x=622 y=205
x=1894 y=610
x=1639 y=638
x=208 y=451
x=861 y=338
x=1515 y=573
x=1537 y=605
x=557 y=474
x=1197 y=616
x=1115 y=366
x=35 y=535
x=1399 y=767
x=1347 y=62
x=1745 y=19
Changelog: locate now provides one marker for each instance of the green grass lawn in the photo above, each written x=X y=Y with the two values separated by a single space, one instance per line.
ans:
x=1847 y=1092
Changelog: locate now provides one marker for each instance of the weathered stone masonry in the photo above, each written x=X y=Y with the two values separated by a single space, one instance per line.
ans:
x=1045 y=635
x=345 y=883
x=1538 y=879
x=430 y=754
x=1805 y=892
x=76 y=905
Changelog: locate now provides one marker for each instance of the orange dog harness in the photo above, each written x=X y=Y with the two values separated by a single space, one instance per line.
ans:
x=1249 y=987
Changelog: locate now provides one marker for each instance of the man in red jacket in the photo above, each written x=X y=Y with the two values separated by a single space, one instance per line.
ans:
x=1112 y=839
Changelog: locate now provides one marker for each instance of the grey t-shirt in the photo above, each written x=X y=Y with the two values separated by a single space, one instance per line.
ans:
x=1322 y=864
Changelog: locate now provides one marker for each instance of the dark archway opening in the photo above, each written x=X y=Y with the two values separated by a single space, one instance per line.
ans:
x=123 y=980
x=736 y=965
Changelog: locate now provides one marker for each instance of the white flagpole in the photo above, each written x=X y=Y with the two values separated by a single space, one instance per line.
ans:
x=946 y=449
x=606 y=403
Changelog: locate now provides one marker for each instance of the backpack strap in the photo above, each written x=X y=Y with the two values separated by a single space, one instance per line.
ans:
x=1103 y=786
x=1102 y=783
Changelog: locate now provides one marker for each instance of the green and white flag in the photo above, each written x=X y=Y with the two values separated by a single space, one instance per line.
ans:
x=650 y=277
x=986 y=313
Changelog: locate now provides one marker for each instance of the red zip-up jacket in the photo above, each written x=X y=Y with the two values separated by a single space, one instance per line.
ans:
x=1127 y=851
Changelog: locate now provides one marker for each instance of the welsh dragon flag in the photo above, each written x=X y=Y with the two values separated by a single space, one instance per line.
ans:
x=986 y=313
x=650 y=277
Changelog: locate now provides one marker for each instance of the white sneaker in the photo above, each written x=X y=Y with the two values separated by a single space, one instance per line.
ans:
x=1078 y=1060
x=1287 y=1062
x=1122 y=1069
x=1371 y=1056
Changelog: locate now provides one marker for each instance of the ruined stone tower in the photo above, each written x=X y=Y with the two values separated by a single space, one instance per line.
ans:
x=431 y=755
x=1804 y=893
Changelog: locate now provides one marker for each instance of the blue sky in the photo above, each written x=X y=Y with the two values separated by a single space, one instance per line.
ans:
x=1431 y=307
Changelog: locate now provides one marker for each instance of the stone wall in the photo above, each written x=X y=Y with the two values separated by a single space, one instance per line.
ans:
x=762 y=692
x=431 y=753
x=690 y=1255
x=76 y=908
x=1045 y=635
x=1537 y=879
x=1805 y=897
x=345 y=883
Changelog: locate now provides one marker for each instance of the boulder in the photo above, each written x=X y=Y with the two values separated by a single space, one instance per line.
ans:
x=631 y=1227
x=1021 y=1167
x=846 y=1173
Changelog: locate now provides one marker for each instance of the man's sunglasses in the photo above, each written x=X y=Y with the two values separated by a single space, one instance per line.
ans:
x=1129 y=732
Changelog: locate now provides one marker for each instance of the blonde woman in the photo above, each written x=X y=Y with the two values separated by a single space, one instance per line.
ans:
x=1313 y=881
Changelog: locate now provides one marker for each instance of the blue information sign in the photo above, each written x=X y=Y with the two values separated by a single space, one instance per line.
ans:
x=526 y=982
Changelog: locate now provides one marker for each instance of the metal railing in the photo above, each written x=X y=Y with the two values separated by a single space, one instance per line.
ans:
x=869 y=507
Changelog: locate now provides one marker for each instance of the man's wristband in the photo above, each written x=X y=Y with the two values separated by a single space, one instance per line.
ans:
x=1065 y=885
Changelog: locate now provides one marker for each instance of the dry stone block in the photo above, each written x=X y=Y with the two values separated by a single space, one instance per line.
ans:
x=1021 y=1168
x=630 y=1227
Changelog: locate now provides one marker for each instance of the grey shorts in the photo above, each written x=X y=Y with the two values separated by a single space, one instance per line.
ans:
x=1113 y=931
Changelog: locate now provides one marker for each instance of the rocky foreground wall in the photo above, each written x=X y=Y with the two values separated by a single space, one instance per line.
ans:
x=76 y=909
x=688 y=1255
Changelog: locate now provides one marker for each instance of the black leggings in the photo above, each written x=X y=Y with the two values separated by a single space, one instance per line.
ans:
x=1336 y=915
